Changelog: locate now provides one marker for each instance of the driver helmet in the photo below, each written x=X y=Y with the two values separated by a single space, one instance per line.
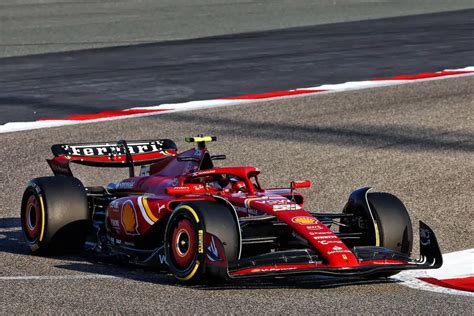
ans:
x=238 y=186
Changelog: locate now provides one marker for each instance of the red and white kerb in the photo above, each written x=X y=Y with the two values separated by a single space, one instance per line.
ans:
x=243 y=99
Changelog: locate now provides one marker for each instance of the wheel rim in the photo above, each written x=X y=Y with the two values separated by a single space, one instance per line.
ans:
x=183 y=244
x=32 y=217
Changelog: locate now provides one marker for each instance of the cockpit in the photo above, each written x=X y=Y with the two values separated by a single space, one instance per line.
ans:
x=227 y=182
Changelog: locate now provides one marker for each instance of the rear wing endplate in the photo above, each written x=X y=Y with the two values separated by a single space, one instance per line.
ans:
x=110 y=154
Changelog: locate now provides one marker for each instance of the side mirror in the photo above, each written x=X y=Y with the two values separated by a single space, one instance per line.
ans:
x=300 y=184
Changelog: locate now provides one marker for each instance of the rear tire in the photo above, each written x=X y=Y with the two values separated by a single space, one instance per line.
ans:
x=184 y=238
x=54 y=215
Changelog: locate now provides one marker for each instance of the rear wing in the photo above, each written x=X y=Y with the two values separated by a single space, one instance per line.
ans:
x=110 y=154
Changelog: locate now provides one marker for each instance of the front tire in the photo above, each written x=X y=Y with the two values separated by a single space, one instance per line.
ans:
x=394 y=222
x=184 y=238
x=384 y=221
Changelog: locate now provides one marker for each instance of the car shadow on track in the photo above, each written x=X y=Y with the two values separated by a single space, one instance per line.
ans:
x=119 y=271
x=11 y=236
x=300 y=282
x=11 y=241
x=150 y=276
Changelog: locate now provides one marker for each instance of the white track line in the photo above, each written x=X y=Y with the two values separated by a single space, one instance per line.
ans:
x=57 y=277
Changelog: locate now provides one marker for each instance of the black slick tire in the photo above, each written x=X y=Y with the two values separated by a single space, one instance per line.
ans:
x=54 y=215
x=385 y=223
x=184 y=238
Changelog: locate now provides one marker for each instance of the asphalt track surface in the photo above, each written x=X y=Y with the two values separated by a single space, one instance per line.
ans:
x=41 y=26
x=91 y=81
x=414 y=140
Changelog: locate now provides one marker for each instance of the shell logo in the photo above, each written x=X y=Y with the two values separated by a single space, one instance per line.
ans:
x=129 y=219
x=304 y=220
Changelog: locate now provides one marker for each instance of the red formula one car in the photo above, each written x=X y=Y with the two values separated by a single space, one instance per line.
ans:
x=182 y=214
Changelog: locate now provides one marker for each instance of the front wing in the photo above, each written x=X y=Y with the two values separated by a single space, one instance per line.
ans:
x=372 y=260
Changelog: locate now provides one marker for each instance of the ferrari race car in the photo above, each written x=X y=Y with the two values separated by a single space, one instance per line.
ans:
x=184 y=215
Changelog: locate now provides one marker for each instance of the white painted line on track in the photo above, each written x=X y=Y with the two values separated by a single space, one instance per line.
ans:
x=57 y=277
x=10 y=229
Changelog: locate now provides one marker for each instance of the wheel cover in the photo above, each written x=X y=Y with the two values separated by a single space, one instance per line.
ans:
x=183 y=244
x=32 y=217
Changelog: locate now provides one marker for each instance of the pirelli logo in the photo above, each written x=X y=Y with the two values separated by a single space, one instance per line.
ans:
x=200 y=241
